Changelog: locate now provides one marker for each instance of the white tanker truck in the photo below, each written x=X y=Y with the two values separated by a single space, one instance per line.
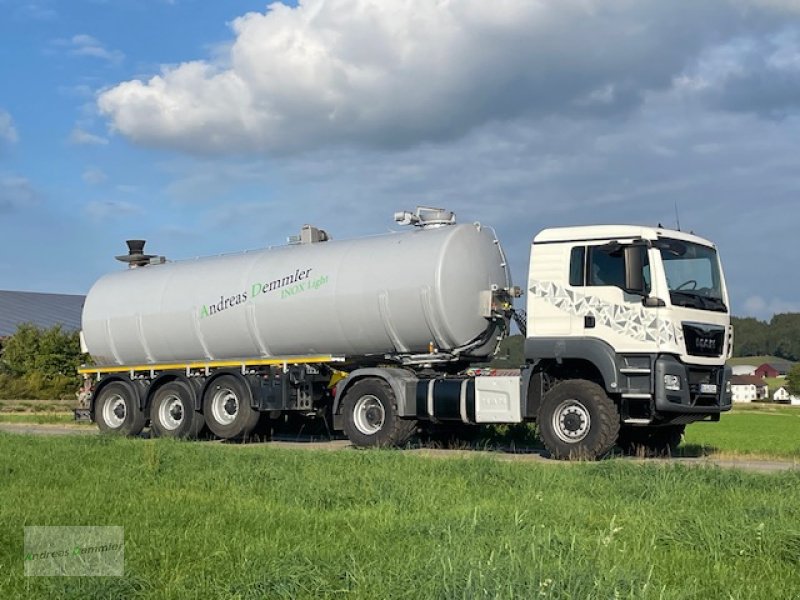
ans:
x=627 y=333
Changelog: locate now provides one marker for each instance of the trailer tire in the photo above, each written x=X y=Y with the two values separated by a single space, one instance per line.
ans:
x=651 y=441
x=117 y=411
x=370 y=416
x=578 y=421
x=227 y=410
x=172 y=413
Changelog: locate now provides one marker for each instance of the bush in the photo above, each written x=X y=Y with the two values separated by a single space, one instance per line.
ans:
x=40 y=364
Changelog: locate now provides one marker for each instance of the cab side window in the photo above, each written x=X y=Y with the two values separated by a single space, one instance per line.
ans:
x=577 y=267
x=606 y=269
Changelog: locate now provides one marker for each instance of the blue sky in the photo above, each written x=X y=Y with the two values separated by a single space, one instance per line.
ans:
x=209 y=127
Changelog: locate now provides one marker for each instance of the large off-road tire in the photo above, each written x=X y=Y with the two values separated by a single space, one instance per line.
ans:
x=172 y=412
x=116 y=411
x=370 y=416
x=651 y=441
x=227 y=410
x=578 y=421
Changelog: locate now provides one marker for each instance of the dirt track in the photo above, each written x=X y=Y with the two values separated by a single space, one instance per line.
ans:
x=535 y=456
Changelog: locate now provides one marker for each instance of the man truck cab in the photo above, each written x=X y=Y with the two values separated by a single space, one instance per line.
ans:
x=640 y=312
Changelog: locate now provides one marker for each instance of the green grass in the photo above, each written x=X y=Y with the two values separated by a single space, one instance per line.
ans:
x=207 y=520
x=38 y=418
x=762 y=430
x=37 y=406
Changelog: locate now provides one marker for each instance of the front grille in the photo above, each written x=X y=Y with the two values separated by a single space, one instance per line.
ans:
x=699 y=377
x=704 y=340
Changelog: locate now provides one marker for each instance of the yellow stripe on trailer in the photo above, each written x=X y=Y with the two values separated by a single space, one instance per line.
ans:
x=210 y=364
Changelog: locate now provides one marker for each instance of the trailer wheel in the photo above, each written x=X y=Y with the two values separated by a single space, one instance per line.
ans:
x=117 y=411
x=651 y=441
x=578 y=421
x=227 y=410
x=370 y=416
x=172 y=412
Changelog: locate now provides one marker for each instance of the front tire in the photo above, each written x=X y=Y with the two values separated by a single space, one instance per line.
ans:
x=117 y=411
x=227 y=410
x=370 y=416
x=578 y=421
x=172 y=413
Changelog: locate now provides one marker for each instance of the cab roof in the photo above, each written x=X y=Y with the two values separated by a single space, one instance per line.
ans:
x=607 y=233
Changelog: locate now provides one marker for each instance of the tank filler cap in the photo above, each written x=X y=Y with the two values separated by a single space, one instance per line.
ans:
x=136 y=256
x=426 y=217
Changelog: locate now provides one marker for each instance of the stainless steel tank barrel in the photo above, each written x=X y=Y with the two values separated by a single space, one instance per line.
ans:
x=396 y=293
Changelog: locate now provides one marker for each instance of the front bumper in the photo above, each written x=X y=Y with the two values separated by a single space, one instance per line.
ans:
x=695 y=395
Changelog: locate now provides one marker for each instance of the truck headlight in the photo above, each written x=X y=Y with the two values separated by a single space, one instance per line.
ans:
x=672 y=383
x=728 y=387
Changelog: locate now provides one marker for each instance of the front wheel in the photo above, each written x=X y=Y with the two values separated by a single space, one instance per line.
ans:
x=578 y=421
x=370 y=416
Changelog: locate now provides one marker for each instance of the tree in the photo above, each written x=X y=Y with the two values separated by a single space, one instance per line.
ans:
x=780 y=337
x=48 y=352
x=793 y=380
x=40 y=363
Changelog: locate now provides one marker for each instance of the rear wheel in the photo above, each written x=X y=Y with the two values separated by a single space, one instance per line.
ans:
x=117 y=411
x=577 y=420
x=227 y=410
x=370 y=416
x=172 y=412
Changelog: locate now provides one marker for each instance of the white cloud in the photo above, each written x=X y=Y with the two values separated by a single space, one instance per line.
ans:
x=87 y=46
x=80 y=136
x=16 y=193
x=393 y=73
x=94 y=176
x=38 y=11
x=103 y=210
x=8 y=133
x=766 y=307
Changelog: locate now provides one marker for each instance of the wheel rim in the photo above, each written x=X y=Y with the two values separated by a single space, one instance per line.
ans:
x=369 y=415
x=225 y=406
x=170 y=412
x=115 y=411
x=571 y=421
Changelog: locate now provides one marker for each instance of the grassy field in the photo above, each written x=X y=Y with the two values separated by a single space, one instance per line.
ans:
x=207 y=520
x=771 y=431
x=40 y=418
x=36 y=406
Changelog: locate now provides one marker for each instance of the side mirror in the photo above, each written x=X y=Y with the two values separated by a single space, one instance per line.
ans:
x=634 y=270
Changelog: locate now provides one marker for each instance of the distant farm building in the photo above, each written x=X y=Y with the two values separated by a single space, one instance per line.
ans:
x=772 y=370
x=43 y=310
x=749 y=388
x=783 y=396
x=744 y=369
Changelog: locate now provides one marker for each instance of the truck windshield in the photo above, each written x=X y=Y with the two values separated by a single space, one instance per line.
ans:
x=693 y=275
